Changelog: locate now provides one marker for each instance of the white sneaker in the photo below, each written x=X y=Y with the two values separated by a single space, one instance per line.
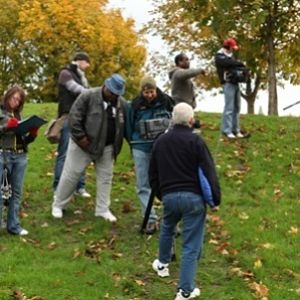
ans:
x=83 y=193
x=239 y=135
x=181 y=295
x=161 y=269
x=230 y=135
x=107 y=216
x=57 y=212
x=23 y=232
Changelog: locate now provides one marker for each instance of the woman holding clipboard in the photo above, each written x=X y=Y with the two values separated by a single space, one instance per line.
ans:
x=13 y=157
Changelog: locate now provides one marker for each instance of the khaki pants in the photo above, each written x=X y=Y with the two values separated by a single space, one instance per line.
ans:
x=76 y=162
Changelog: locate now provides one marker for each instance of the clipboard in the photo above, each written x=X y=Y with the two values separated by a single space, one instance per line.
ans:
x=31 y=122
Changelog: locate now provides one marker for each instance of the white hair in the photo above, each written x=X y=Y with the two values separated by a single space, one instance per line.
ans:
x=182 y=114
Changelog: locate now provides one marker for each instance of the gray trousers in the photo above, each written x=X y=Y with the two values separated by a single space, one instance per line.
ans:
x=76 y=162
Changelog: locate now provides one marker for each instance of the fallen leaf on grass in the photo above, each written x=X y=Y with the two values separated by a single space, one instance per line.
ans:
x=52 y=246
x=243 y=216
x=76 y=253
x=73 y=222
x=267 y=246
x=258 y=264
x=127 y=207
x=18 y=295
x=238 y=272
x=293 y=274
x=117 y=255
x=23 y=215
x=214 y=242
x=140 y=282
x=84 y=230
x=117 y=277
x=293 y=230
x=260 y=290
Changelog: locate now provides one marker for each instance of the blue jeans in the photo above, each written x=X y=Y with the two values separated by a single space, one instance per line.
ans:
x=16 y=164
x=231 y=113
x=190 y=208
x=141 y=162
x=61 y=157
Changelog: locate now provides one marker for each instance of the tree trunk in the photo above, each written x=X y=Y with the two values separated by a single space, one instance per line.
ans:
x=272 y=82
x=250 y=96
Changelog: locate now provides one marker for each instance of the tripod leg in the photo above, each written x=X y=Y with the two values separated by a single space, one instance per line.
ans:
x=173 y=250
x=148 y=211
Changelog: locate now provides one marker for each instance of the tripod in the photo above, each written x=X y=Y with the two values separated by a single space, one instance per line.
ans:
x=146 y=219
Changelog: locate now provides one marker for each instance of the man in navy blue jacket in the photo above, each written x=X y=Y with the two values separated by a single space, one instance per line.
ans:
x=173 y=173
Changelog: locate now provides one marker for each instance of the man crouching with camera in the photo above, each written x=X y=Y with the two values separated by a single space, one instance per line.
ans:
x=231 y=72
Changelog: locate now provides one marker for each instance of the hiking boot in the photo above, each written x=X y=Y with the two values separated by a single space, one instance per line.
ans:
x=161 y=269
x=181 y=295
x=82 y=193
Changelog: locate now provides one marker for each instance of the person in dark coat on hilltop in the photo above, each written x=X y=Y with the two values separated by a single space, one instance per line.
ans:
x=97 y=126
x=71 y=83
x=176 y=158
x=226 y=66
x=148 y=115
x=13 y=156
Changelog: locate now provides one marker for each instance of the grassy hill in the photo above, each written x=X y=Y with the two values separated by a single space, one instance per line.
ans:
x=251 y=245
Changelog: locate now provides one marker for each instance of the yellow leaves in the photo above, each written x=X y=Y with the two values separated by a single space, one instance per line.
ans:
x=243 y=216
x=258 y=263
x=293 y=230
x=267 y=246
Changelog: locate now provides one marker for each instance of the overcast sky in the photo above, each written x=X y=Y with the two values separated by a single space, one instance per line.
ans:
x=139 y=11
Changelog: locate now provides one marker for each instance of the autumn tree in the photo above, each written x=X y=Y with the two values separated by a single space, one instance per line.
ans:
x=267 y=31
x=43 y=36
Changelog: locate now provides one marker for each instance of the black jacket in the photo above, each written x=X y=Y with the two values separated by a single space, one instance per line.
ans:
x=225 y=63
x=176 y=157
x=66 y=98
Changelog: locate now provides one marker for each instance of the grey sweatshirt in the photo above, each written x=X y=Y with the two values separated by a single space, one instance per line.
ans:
x=182 y=88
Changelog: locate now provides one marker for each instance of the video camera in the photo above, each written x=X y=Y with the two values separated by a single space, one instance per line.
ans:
x=150 y=129
x=238 y=74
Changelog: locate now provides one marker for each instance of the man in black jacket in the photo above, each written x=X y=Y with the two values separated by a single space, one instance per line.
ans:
x=227 y=68
x=176 y=157
x=97 y=120
x=71 y=83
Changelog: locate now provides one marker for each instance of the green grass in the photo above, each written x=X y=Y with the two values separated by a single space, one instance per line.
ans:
x=252 y=243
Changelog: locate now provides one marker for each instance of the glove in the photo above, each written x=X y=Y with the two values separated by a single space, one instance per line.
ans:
x=33 y=131
x=12 y=123
x=84 y=143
